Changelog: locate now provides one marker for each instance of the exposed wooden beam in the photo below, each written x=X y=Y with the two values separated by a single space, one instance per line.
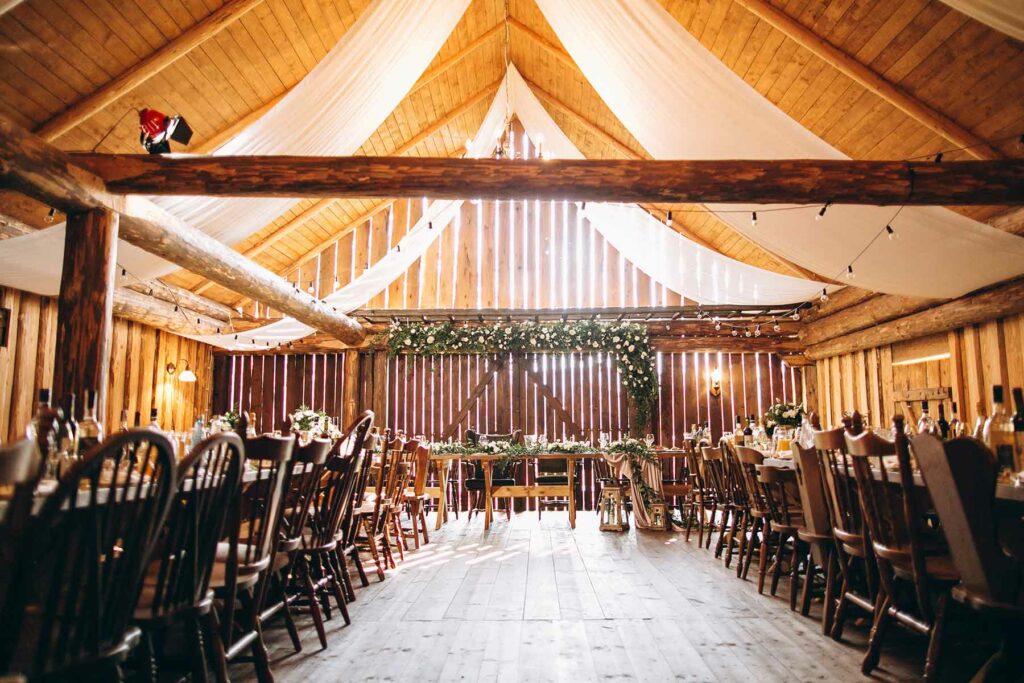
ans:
x=7 y=5
x=12 y=227
x=989 y=304
x=430 y=74
x=554 y=50
x=179 y=296
x=148 y=310
x=875 y=310
x=128 y=80
x=755 y=181
x=872 y=81
x=1010 y=221
x=32 y=213
x=31 y=166
x=837 y=301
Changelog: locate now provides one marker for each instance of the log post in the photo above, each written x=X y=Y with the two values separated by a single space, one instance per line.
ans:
x=85 y=306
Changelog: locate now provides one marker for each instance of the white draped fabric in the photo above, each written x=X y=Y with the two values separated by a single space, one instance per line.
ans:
x=331 y=112
x=681 y=102
x=375 y=279
x=1005 y=16
x=679 y=263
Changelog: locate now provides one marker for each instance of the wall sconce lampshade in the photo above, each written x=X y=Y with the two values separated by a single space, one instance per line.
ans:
x=186 y=375
x=715 y=382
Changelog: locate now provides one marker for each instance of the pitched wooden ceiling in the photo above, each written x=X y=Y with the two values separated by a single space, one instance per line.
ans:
x=54 y=53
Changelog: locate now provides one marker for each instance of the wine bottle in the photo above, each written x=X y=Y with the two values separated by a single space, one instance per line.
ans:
x=42 y=410
x=738 y=432
x=1018 y=430
x=138 y=419
x=90 y=430
x=124 y=420
x=925 y=424
x=942 y=424
x=69 y=431
x=998 y=431
x=956 y=427
x=979 y=424
x=154 y=424
x=749 y=429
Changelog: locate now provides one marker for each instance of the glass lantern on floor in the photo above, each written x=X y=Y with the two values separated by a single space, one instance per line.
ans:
x=660 y=520
x=611 y=507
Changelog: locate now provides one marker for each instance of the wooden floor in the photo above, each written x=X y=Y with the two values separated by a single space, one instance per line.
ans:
x=535 y=601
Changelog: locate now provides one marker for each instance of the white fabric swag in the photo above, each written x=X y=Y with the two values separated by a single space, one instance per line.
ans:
x=677 y=262
x=681 y=102
x=331 y=112
x=1005 y=16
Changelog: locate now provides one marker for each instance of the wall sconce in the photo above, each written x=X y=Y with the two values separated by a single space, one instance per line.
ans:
x=186 y=375
x=715 y=382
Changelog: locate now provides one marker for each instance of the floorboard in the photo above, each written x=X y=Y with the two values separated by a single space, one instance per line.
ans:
x=532 y=600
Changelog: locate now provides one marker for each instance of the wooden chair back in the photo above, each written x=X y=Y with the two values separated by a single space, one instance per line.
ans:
x=693 y=467
x=421 y=469
x=840 y=486
x=332 y=506
x=253 y=540
x=781 y=496
x=812 y=491
x=80 y=570
x=209 y=480
x=749 y=460
x=302 y=485
x=715 y=474
x=734 y=474
x=20 y=470
x=965 y=471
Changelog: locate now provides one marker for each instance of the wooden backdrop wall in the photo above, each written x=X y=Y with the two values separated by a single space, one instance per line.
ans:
x=963 y=364
x=138 y=378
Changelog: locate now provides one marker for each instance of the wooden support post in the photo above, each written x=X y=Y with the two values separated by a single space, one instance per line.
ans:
x=85 y=306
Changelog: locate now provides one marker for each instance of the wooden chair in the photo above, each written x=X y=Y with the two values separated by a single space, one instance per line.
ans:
x=737 y=499
x=756 y=536
x=176 y=588
x=716 y=476
x=551 y=472
x=355 y=522
x=782 y=497
x=701 y=498
x=906 y=558
x=243 y=562
x=854 y=554
x=416 y=499
x=80 y=566
x=474 y=479
x=372 y=514
x=816 y=533
x=302 y=484
x=398 y=480
x=20 y=471
x=990 y=580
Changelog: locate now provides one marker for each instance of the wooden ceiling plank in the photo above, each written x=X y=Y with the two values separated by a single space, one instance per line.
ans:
x=867 y=78
x=146 y=69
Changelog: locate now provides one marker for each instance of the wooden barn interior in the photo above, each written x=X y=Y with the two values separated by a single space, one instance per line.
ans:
x=511 y=339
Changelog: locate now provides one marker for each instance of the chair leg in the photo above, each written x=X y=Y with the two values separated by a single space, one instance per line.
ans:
x=779 y=558
x=289 y=621
x=196 y=656
x=931 y=662
x=828 y=610
x=794 y=573
x=879 y=626
x=762 y=562
x=358 y=562
x=756 y=532
x=415 y=520
x=333 y=573
x=742 y=551
x=810 y=571
x=723 y=533
x=711 y=525
x=423 y=525
x=309 y=589
x=687 y=519
x=737 y=514
x=215 y=646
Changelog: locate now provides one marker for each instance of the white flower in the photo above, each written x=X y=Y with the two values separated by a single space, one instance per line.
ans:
x=508 y=330
x=630 y=347
x=615 y=339
x=596 y=345
x=430 y=339
x=481 y=339
x=408 y=342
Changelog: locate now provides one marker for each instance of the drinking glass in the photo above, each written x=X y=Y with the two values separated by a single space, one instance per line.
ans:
x=649 y=440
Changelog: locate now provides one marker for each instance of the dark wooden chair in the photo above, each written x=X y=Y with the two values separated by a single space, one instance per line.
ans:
x=854 y=554
x=816 y=533
x=302 y=483
x=782 y=497
x=398 y=480
x=474 y=479
x=20 y=470
x=552 y=472
x=912 y=569
x=372 y=512
x=701 y=498
x=357 y=444
x=737 y=499
x=176 y=588
x=716 y=477
x=79 y=569
x=416 y=499
x=965 y=471
x=354 y=522
x=756 y=536
x=243 y=563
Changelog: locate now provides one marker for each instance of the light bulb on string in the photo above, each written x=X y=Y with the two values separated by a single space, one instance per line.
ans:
x=336 y=283
x=310 y=288
x=891 y=233
x=753 y=219
x=821 y=214
x=824 y=295
x=50 y=214
x=718 y=325
x=735 y=332
x=668 y=219
x=849 y=272
x=746 y=333
x=796 y=316
x=757 y=331
x=776 y=327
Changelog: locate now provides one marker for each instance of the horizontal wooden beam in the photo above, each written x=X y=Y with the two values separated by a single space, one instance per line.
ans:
x=32 y=166
x=791 y=181
x=837 y=301
x=179 y=296
x=149 y=310
x=872 y=81
x=174 y=50
x=878 y=309
x=989 y=304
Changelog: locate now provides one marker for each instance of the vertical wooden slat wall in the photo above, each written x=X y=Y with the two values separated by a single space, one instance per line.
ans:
x=138 y=377
x=966 y=362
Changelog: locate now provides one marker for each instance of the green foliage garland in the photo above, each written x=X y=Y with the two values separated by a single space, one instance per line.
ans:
x=627 y=343
x=637 y=453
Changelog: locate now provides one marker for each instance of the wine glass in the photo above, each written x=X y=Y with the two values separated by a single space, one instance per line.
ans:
x=649 y=440
x=603 y=439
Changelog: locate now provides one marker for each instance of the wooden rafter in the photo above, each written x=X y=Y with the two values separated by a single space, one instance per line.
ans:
x=731 y=181
x=206 y=28
x=872 y=81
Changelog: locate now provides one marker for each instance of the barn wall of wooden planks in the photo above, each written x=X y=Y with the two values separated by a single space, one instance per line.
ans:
x=138 y=377
x=962 y=364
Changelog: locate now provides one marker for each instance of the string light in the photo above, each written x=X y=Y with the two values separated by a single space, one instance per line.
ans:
x=849 y=272
x=735 y=332
x=775 y=325
x=668 y=219
x=757 y=331
x=821 y=214
x=796 y=316
x=50 y=214
x=175 y=308
x=753 y=218
x=336 y=283
x=430 y=225
x=746 y=333
x=718 y=325
x=891 y=233
x=310 y=288
x=824 y=295
x=938 y=157
x=218 y=330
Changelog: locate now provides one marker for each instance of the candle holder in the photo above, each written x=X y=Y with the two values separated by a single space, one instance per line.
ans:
x=612 y=507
